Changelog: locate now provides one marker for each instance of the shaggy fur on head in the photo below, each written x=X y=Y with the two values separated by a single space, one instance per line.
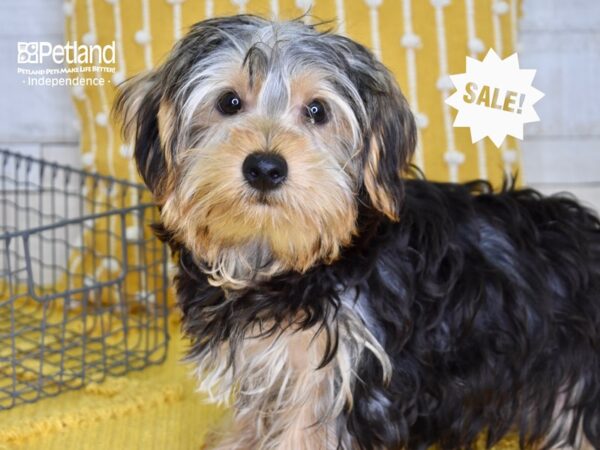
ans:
x=351 y=308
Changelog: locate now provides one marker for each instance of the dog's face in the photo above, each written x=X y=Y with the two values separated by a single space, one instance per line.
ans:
x=260 y=139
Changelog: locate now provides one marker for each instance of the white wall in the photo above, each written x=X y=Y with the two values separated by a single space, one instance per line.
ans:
x=39 y=121
x=559 y=38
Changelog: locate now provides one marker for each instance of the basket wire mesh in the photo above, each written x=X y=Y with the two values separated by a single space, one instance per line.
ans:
x=83 y=288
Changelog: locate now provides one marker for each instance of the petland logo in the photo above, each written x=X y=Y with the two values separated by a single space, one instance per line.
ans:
x=72 y=64
x=70 y=53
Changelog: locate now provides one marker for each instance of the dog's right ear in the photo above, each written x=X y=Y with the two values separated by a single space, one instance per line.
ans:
x=137 y=107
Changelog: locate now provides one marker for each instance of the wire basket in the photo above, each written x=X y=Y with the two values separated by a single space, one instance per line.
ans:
x=83 y=289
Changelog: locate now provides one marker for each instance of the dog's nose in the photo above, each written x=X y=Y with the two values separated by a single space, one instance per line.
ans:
x=264 y=171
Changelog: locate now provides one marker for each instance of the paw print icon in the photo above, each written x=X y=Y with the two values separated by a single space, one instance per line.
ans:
x=27 y=52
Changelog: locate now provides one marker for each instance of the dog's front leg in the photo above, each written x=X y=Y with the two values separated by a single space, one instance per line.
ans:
x=284 y=401
x=238 y=434
x=244 y=434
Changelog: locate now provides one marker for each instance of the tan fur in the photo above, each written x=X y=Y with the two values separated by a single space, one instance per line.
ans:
x=309 y=219
x=380 y=197
x=282 y=401
x=131 y=96
x=166 y=128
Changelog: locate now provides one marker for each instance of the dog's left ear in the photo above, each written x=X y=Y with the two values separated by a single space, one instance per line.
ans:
x=389 y=130
x=389 y=143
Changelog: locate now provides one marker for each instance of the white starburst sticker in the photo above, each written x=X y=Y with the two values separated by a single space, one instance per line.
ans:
x=494 y=98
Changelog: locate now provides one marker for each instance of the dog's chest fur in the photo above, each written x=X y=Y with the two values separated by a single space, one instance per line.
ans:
x=284 y=393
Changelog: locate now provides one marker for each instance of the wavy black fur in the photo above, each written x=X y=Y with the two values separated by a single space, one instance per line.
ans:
x=488 y=304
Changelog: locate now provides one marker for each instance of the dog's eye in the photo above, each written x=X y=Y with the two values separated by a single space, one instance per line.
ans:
x=229 y=103
x=315 y=112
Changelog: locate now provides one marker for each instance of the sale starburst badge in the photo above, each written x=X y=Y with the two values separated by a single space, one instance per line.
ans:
x=494 y=98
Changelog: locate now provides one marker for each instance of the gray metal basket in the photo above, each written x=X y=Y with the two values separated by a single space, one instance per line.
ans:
x=83 y=288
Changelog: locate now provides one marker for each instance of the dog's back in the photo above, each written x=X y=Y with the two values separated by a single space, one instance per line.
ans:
x=500 y=317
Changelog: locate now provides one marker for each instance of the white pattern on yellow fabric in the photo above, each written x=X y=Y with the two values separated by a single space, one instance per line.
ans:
x=499 y=8
x=176 y=8
x=411 y=42
x=90 y=38
x=241 y=5
x=274 y=9
x=144 y=36
x=93 y=150
x=121 y=73
x=79 y=94
x=89 y=158
x=101 y=118
x=498 y=47
x=515 y=153
x=209 y=9
x=340 y=16
x=452 y=156
x=374 y=22
x=513 y=24
x=305 y=6
x=475 y=47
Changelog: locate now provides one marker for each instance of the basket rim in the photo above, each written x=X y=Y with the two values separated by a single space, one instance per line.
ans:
x=6 y=153
x=74 y=221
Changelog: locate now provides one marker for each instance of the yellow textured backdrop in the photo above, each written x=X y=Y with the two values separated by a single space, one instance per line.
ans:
x=422 y=41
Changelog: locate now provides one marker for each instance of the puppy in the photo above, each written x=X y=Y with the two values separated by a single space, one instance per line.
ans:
x=334 y=302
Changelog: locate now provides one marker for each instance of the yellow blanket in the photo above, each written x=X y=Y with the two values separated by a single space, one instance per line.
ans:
x=155 y=409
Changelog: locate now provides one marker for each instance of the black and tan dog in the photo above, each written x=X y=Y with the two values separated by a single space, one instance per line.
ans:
x=334 y=303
